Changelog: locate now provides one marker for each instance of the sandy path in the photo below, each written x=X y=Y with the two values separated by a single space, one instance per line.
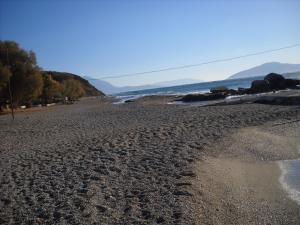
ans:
x=97 y=163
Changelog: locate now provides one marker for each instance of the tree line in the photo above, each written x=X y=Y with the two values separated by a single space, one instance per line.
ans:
x=22 y=81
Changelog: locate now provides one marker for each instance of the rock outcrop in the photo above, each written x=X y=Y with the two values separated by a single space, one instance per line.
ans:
x=271 y=82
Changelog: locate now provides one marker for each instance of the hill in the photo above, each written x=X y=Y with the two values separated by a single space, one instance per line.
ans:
x=293 y=75
x=272 y=67
x=108 y=88
x=89 y=89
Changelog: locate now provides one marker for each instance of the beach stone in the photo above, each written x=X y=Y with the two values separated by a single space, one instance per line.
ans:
x=57 y=215
x=292 y=100
x=275 y=81
x=223 y=90
x=42 y=213
x=259 y=86
x=101 y=208
x=242 y=91
x=220 y=89
x=129 y=101
x=183 y=193
x=291 y=83
x=160 y=220
x=203 y=97
x=146 y=214
x=177 y=215
x=183 y=184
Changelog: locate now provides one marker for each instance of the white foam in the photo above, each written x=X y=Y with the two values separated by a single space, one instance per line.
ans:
x=293 y=193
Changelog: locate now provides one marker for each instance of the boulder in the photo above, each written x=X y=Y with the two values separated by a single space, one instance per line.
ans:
x=219 y=89
x=243 y=91
x=290 y=83
x=259 y=86
x=202 y=97
x=223 y=90
x=279 y=100
x=129 y=101
x=276 y=81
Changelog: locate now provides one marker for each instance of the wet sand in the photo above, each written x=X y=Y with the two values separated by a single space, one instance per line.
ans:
x=242 y=185
x=146 y=163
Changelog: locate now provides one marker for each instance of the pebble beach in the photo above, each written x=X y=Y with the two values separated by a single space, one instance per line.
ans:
x=147 y=162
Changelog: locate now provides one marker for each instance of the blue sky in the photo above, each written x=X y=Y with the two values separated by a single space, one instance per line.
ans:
x=101 y=38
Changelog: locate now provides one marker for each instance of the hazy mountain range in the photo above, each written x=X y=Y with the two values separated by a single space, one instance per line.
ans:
x=260 y=70
x=108 y=88
x=271 y=67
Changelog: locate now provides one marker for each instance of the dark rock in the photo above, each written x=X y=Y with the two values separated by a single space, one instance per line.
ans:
x=220 y=89
x=202 y=97
x=128 y=210
x=183 y=193
x=42 y=213
x=242 y=91
x=146 y=214
x=274 y=100
x=259 y=86
x=129 y=101
x=184 y=184
x=160 y=220
x=177 y=215
x=223 y=90
x=6 y=201
x=188 y=174
x=290 y=83
x=101 y=208
x=82 y=190
x=56 y=215
x=275 y=81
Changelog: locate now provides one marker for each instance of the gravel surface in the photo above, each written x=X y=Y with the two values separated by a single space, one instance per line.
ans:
x=98 y=163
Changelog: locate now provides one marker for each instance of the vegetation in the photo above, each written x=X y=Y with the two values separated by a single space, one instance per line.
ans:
x=20 y=75
x=22 y=82
x=73 y=89
x=88 y=89
x=52 y=89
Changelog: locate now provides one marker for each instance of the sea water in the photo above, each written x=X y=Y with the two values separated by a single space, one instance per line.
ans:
x=194 y=88
x=191 y=88
x=290 y=178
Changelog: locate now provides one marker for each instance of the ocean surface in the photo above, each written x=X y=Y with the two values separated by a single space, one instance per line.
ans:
x=192 y=88
x=290 y=178
x=187 y=88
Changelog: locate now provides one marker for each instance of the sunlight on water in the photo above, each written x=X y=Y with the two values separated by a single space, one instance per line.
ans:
x=290 y=178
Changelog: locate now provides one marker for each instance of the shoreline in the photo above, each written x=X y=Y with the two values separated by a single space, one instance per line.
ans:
x=291 y=191
x=146 y=163
x=246 y=189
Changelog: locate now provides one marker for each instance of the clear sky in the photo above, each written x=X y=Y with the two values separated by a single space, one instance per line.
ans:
x=101 y=38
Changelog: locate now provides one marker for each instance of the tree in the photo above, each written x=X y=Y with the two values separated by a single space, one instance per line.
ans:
x=72 y=89
x=52 y=89
x=5 y=75
x=26 y=81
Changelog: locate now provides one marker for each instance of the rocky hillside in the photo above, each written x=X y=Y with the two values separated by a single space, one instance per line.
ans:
x=89 y=89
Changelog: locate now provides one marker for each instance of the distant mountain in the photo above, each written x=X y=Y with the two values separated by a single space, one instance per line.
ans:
x=108 y=88
x=266 y=68
x=89 y=89
x=178 y=82
x=293 y=75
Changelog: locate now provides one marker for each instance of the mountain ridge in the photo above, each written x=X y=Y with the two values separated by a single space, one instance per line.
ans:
x=108 y=88
x=266 y=68
x=88 y=88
